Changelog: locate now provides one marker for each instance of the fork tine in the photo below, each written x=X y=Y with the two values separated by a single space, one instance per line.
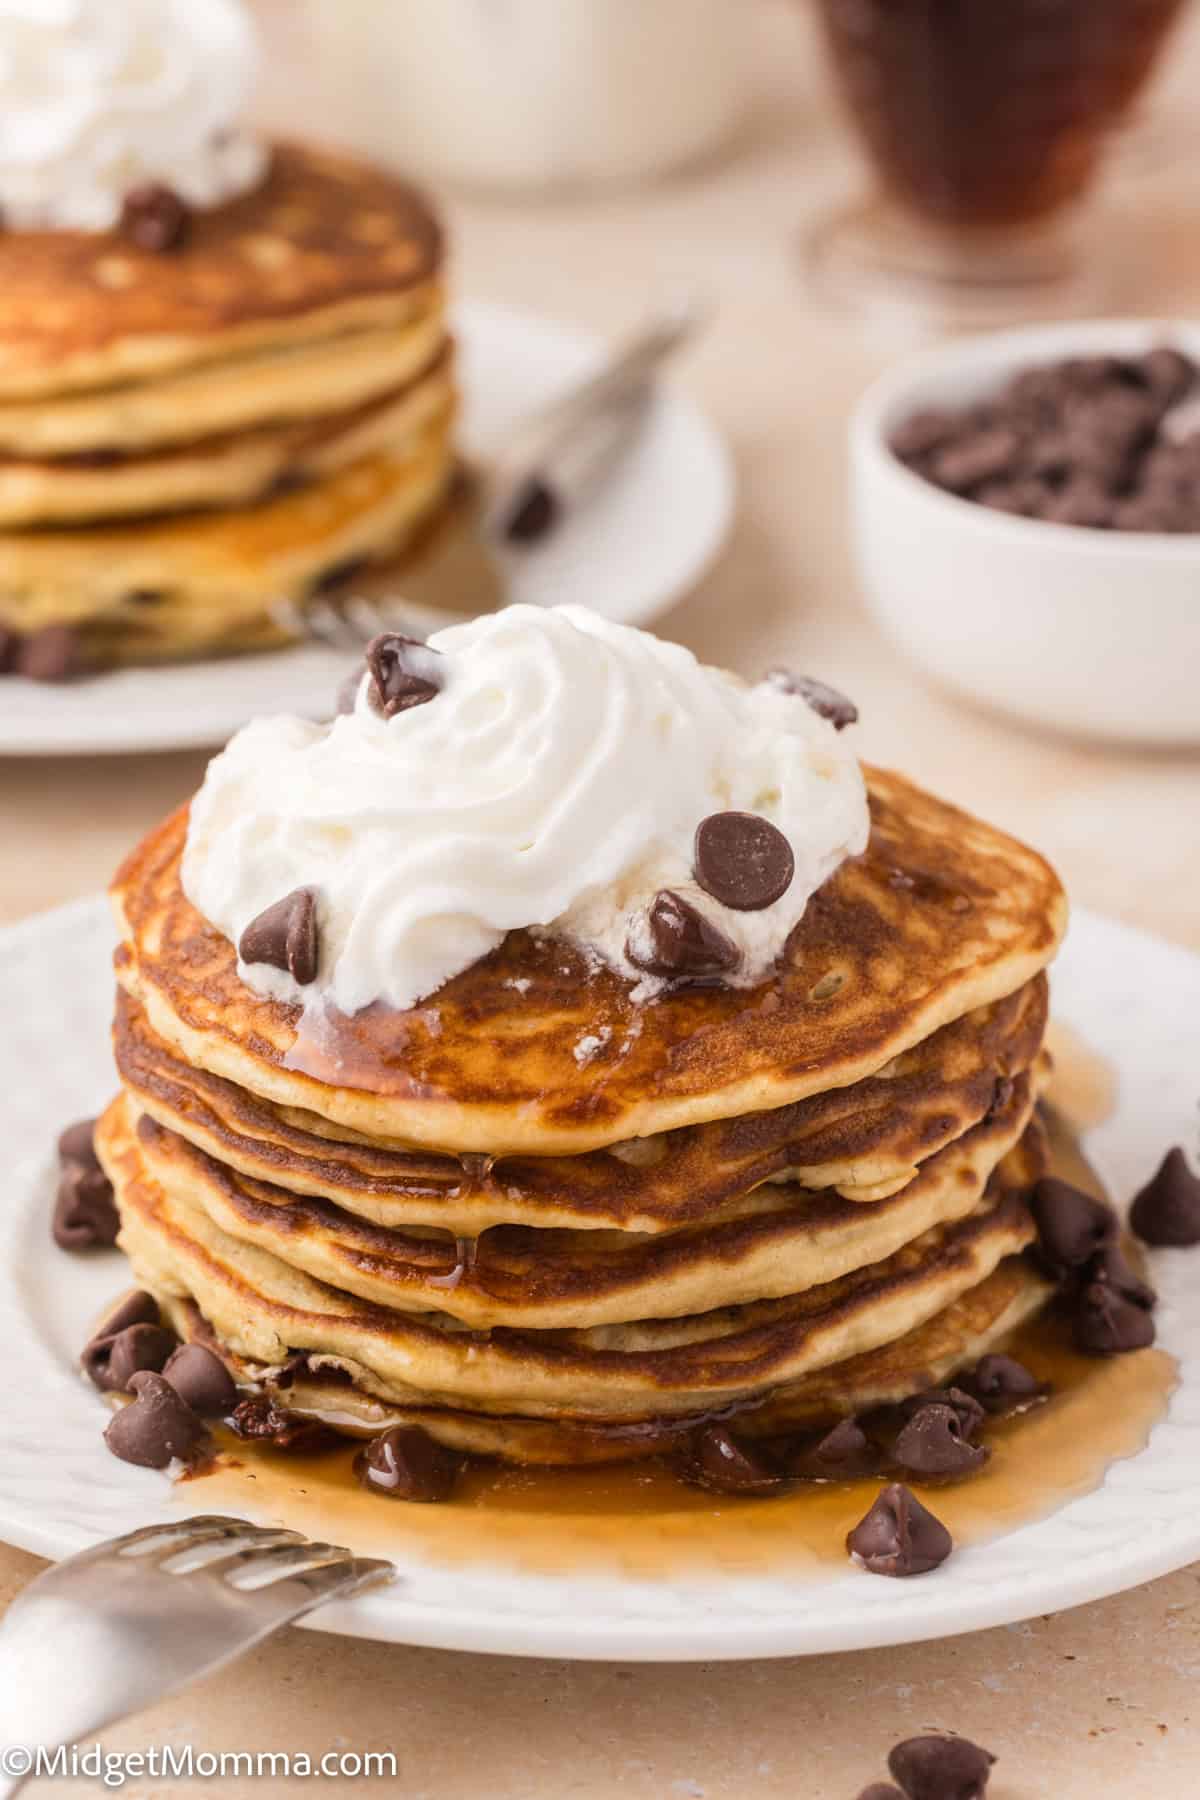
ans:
x=328 y=1581
x=367 y=618
x=255 y=1540
x=281 y=1555
x=332 y=627
x=174 y=1536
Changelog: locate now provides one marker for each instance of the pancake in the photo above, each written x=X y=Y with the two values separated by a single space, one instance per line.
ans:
x=264 y=1309
x=232 y=470
x=325 y=245
x=307 y=381
x=530 y=1051
x=979 y=1321
x=782 y=1240
x=865 y=1140
x=186 y=582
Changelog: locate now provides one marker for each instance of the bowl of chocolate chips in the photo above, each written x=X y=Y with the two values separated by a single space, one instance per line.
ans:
x=1027 y=523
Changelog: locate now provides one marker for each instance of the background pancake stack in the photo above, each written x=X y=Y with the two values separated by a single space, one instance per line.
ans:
x=190 y=435
x=549 y=1222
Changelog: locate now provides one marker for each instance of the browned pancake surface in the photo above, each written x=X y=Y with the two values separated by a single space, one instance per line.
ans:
x=941 y=914
x=321 y=231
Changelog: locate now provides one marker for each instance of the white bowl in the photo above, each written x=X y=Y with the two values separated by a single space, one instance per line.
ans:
x=1095 y=633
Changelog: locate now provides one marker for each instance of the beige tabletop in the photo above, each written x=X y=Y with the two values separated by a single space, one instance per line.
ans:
x=1097 y=1701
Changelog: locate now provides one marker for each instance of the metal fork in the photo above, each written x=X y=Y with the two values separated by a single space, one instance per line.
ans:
x=107 y=1632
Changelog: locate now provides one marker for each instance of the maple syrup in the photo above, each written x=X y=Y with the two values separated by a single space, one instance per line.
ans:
x=640 y=1520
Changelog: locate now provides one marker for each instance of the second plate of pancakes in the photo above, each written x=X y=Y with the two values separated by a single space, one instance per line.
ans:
x=629 y=555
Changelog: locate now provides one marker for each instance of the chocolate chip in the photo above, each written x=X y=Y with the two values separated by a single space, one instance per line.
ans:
x=677 y=940
x=1002 y=1384
x=111 y=1360
x=742 y=860
x=881 y=1790
x=260 y=1420
x=941 y=1768
x=534 y=512
x=1071 y=1225
x=156 y=1428
x=842 y=1454
x=85 y=1214
x=964 y=1406
x=922 y=432
x=823 y=699
x=899 y=1536
x=400 y=672
x=716 y=1460
x=932 y=1443
x=285 y=937
x=78 y=1144
x=405 y=1463
x=1167 y=1210
x=52 y=654
x=10 y=645
x=201 y=1380
x=1111 y=1266
x=138 y=1308
x=1106 y=1323
x=1168 y=373
x=155 y=218
x=976 y=457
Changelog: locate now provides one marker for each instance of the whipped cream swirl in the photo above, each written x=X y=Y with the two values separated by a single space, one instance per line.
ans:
x=555 y=781
x=98 y=97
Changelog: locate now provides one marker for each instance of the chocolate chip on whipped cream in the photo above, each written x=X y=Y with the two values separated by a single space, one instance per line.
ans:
x=285 y=937
x=154 y=217
x=675 y=939
x=555 y=784
x=401 y=670
x=743 y=860
x=825 y=700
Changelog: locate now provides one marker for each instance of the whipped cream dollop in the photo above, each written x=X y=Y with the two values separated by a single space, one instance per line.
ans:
x=99 y=97
x=555 y=780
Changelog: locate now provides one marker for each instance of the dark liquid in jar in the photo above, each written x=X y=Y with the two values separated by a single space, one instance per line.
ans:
x=986 y=113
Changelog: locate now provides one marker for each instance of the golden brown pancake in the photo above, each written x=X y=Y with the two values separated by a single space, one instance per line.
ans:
x=781 y=1240
x=979 y=1321
x=864 y=1140
x=941 y=915
x=325 y=245
x=264 y=1309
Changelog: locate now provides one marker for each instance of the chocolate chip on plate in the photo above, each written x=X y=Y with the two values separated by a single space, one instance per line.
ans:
x=400 y=673
x=1002 y=1384
x=533 y=513
x=941 y=1768
x=77 y=1144
x=201 y=1380
x=1167 y=1210
x=285 y=937
x=156 y=1428
x=933 y=1443
x=85 y=1214
x=898 y=1536
x=742 y=860
x=155 y=218
x=1106 y=1323
x=823 y=699
x=965 y=1407
x=675 y=939
x=714 y=1459
x=842 y=1454
x=112 y=1359
x=1071 y=1225
x=406 y=1463
x=1112 y=1266
x=137 y=1308
x=51 y=654
x=261 y=1420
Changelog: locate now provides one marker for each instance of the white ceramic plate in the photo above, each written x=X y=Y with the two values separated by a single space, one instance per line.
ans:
x=1133 y=999
x=634 y=550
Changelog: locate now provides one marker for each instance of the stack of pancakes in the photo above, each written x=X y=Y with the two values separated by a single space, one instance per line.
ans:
x=189 y=437
x=551 y=1222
